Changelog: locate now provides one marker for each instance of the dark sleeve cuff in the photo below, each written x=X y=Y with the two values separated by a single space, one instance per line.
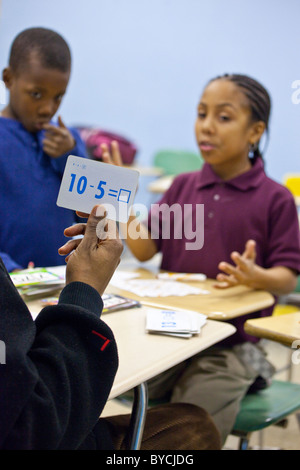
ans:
x=82 y=295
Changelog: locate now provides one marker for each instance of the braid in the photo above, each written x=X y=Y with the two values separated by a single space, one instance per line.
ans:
x=259 y=101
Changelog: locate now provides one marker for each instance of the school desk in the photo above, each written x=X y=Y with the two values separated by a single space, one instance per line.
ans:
x=145 y=170
x=143 y=355
x=160 y=185
x=284 y=329
x=218 y=304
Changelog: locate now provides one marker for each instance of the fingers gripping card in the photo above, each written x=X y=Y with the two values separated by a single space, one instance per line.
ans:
x=86 y=183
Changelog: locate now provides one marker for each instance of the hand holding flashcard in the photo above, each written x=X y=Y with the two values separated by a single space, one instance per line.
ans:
x=86 y=183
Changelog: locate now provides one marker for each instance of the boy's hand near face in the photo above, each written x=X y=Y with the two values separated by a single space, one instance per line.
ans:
x=58 y=139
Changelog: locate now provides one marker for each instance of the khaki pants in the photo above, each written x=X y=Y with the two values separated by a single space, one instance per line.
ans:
x=215 y=380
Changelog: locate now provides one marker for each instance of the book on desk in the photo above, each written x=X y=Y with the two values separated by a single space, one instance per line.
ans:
x=111 y=302
x=46 y=282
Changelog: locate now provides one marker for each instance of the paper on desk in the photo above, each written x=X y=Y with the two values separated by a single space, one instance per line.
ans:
x=174 y=323
x=122 y=276
x=156 y=287
x=182 y=276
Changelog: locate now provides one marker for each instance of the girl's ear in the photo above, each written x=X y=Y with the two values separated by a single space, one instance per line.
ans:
x=258 y=128
x=7 y=77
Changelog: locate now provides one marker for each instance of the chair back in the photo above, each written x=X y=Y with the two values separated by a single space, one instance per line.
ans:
x=174 y=162
x=292 y=182
x=260 y=410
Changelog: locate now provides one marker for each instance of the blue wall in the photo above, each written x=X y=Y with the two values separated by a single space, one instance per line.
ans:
x=139 y=66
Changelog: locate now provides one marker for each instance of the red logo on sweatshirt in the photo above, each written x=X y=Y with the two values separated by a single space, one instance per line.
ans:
x=106 y=340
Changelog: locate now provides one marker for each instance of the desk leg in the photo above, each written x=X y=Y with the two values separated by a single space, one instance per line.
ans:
x=138 y=417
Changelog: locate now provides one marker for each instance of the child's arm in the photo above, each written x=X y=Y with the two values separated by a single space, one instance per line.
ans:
x=138 y=239
x=10 y=264
x=58 y=139
x=278 y=280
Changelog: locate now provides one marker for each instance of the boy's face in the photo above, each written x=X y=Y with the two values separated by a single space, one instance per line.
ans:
x=35 y=94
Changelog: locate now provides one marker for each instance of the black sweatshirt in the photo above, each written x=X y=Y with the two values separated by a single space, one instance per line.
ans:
x=58 y=370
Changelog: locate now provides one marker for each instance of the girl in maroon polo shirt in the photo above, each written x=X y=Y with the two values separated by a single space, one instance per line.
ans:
x=251 y=237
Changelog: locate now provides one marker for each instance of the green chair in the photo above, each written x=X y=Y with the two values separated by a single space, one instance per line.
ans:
x=174 y=162
x=261 y=409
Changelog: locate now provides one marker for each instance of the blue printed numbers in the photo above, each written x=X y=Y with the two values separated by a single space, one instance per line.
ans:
x=82 y=185
x=73 y=176
x=99 y=196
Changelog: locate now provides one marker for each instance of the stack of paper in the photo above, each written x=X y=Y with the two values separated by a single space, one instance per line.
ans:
x=112 y=303
x=170 y=276
x=174 y=322
x=156 y=287
x=31 y=282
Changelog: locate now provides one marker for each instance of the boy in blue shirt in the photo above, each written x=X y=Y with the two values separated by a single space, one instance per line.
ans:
x=33 y=150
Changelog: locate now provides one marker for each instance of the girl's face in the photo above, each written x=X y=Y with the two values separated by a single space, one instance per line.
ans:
x=224 y=130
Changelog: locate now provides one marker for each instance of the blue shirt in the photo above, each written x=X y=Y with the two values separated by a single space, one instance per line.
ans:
x=32 y=224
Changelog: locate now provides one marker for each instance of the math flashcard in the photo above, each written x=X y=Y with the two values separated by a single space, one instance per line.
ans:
x=86 y=183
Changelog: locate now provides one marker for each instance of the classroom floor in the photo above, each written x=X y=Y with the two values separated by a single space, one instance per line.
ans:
x=274 y=437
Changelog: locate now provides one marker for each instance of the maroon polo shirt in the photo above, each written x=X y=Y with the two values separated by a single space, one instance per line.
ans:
x=222 y=216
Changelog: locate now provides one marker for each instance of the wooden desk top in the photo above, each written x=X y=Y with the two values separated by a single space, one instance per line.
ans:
x=146 y=170
x=282 y=328
x=160 y=185
x=219 y=304
x=143 y=355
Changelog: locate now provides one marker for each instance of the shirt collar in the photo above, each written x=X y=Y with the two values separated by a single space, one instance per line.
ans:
x=250 y=179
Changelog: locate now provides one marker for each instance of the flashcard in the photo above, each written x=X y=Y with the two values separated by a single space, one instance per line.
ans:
x=174 y=322
x=86 y=183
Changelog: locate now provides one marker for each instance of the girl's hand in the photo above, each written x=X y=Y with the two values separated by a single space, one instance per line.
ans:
x=244 y=270
x=112 y=156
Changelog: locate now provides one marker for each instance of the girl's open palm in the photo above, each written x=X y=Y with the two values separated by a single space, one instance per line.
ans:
x=112 y=155
x=242 y=272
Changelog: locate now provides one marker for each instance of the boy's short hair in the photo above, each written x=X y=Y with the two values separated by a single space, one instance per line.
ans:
x=49 y=46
